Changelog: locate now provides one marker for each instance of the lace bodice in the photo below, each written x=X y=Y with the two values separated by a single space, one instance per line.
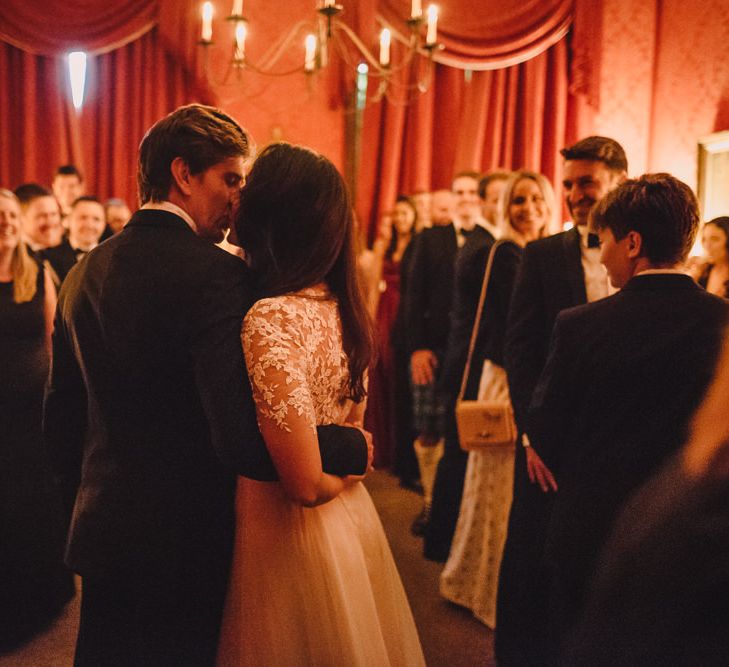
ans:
x=293 y=350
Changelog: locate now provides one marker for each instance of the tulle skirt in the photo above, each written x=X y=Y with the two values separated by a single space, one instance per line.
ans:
x=314 y=586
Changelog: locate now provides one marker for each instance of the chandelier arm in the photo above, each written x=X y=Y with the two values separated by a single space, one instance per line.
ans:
x=277 y=49
x=339 y=25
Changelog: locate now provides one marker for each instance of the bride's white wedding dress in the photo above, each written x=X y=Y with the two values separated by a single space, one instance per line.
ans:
x=309 y=586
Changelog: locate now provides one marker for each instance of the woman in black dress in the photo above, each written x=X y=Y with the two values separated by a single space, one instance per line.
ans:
x=34 y=582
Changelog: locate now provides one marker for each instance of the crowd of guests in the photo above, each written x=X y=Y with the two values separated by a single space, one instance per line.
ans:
x=602 y=389
x=604 y=336
x=43 y=233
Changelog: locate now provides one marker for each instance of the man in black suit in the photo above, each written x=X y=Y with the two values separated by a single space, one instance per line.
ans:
x=149 y=398
x=556 y=272
x=467 y=278
x=623 y=377
x=659 y=593
x=85 y=226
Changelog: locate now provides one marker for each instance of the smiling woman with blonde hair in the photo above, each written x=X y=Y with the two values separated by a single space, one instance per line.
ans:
x=34 y=582
x=471 y=572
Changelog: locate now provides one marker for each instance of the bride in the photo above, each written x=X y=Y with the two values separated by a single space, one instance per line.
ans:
x=313 y=581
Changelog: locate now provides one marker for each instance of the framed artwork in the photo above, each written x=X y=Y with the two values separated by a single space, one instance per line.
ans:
x=713 y=175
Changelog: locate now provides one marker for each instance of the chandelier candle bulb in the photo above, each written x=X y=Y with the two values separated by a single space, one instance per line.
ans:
x=207 y=22
x=329 y=3
x=240 y=41
x=310 y=57
x=432 y=34
x=385 y=48
x=417 y=10
x=237 y=8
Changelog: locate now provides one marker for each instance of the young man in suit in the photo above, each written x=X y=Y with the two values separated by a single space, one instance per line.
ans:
x=556 y=272
x=68 y=186
x=448 y=487
x=86 y=224
x=623 y=377
x=149 y=411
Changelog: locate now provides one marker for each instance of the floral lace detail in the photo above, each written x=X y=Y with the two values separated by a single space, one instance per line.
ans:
x=293 y=350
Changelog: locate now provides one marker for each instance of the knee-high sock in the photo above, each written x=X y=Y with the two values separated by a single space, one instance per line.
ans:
x=428 y=457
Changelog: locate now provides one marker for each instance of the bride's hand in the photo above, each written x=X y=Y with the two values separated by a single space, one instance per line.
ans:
x=351 y=480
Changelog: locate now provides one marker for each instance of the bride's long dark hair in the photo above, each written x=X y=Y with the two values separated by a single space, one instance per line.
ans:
x=296 y=225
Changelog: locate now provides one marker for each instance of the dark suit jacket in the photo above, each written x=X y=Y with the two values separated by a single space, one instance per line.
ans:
x=430 y=289
x=148 y=398
x=623 y=378
x=470 y=270
x=660 y=591
x=549 y=280
x=61 y=257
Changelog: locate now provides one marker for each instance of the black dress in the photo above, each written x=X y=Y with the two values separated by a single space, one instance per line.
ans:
x=34 y=582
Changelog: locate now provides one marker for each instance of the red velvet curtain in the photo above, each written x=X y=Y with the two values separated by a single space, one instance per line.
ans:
x=126 y=91
x=53 y=27
x=493 y=34
x=510 y=118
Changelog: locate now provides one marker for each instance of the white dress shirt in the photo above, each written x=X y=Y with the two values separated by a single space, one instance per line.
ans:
x=170 y=208
x=597 y=283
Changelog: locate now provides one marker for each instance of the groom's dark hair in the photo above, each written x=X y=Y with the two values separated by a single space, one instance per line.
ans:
x=296 y=224
x=202 y=136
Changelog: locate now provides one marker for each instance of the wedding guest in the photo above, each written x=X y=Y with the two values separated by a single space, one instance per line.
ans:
x=473 y=233
x=426 y=321
x=385 y=403
x=490 y=188
x=556 y=272
x=34 y=582
x=67 y=186
x=622 y=379
x=41 y=216
x=714 y=276
x=117 y=214
x=309 y=547
x=85 y=223
x=471 y=573
x=659 y=589
x=422 y=201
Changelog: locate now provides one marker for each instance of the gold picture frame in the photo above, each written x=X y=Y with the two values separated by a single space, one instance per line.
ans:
x=713 y=175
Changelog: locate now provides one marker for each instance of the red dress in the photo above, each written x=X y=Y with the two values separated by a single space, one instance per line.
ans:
x=380 y=418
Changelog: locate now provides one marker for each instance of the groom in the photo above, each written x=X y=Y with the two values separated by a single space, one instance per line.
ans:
x=149 y=412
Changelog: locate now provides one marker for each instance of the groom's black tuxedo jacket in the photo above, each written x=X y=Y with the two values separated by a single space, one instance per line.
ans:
x=623 y=378
x=148 y=399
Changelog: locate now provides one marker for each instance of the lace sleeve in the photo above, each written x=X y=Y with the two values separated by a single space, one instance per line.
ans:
x=276 y=358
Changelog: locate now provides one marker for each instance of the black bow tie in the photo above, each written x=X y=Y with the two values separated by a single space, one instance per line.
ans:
x=593 y=240
x=80 y=254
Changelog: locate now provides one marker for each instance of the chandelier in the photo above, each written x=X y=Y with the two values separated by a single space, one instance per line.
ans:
x=327 y=32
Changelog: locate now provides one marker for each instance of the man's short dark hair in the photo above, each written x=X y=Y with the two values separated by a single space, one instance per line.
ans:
x=27 y=192
x=598 y=149
x=201 y=135
x=475 y=175
x=84 y=198
x=69 y=170
x=483 y=184
x=662 y=209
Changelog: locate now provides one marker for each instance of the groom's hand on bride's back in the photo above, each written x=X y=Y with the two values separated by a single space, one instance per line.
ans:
x=370 y=446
